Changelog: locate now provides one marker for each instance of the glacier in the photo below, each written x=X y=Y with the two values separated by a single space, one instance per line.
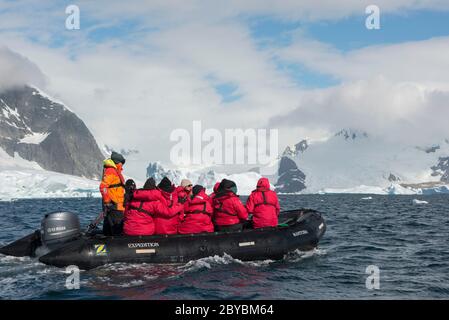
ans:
x=22 y=179
x=353 y=161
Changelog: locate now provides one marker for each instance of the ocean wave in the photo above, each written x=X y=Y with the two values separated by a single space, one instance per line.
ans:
x=298 y=255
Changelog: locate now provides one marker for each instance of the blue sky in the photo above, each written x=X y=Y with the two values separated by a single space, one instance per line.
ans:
x=271 y=31
x=346 y=35
x=350 y=33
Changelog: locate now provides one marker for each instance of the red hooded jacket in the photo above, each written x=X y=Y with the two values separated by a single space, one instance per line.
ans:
x=212 y=195
x=263 y=203
x=182 y=194
x=197 y=213
x=169 y=225
x=141 y=210
x=228 y=209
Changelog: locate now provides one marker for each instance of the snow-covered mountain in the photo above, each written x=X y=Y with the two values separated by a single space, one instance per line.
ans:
x=46 y=151
x=40 y=129
x=352 y=161
x=44 y=145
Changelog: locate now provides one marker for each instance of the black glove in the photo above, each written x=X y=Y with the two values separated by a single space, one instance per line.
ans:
x=108 y=207
x=182 y=200
x=90 y=227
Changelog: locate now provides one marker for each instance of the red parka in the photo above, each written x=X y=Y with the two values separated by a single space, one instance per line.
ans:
x=263 y=203
x=228 y=209
x=212 y=195
x=141 y=210
x=182 y=194
x=197 y=215
x=169 y=225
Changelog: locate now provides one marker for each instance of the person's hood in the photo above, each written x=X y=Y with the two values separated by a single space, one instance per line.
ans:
x=263 y=183
x=226 y=186
x=166 y=185
x=216 y=186
x=108 y=163
x=150 y=184
x=197 y=189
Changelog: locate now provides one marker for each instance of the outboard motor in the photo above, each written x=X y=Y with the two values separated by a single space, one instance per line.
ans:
x=58 y=228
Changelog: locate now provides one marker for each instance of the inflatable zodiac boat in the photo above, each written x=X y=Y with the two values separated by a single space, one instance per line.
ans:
x=61 y=243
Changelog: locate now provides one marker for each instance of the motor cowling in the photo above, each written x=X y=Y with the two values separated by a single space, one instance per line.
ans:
x=59 y=228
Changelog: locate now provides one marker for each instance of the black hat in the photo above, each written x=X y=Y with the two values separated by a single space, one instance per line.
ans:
x=225 y=187
x=130 y=184
x=150 y=184
x=165 y=185
x=197 y=189
x=117 y=157
x=226 y=184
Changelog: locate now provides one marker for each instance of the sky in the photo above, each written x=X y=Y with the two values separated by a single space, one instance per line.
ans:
x=136 y=71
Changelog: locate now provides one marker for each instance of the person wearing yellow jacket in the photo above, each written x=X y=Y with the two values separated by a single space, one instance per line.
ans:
x=112 y=189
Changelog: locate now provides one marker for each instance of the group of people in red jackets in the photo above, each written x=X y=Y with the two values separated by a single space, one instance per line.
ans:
x=186 y=209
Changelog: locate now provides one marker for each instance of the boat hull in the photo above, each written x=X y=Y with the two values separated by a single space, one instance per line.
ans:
x=303 y=231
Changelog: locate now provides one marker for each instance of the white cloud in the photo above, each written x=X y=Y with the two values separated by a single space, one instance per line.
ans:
x=135 y=101
x=397 y=111
x=16 y=70
x=398 y=91
x=419 y=61
x=133 y=90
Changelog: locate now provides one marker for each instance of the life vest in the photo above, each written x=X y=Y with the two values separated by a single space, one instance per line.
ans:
x=198 y=214
x=140 y=208
x=265 y=202
x=204 y=211
x=141 y=197
x=112 y=186
x=220 y=209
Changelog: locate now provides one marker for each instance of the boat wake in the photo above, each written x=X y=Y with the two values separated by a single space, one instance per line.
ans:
x=212 y=261
x=298 y=255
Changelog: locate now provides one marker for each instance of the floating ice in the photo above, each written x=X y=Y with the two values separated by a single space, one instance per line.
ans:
x=416 y=201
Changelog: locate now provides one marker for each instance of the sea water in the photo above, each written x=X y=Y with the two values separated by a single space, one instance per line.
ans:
x=405 y=240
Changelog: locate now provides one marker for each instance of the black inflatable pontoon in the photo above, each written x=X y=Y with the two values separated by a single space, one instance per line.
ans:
x=299 y=229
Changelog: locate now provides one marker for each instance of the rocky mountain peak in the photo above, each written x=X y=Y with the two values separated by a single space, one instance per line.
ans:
x=301 y=146
x=291 y=179
x=351 y=134
x=45 y=131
